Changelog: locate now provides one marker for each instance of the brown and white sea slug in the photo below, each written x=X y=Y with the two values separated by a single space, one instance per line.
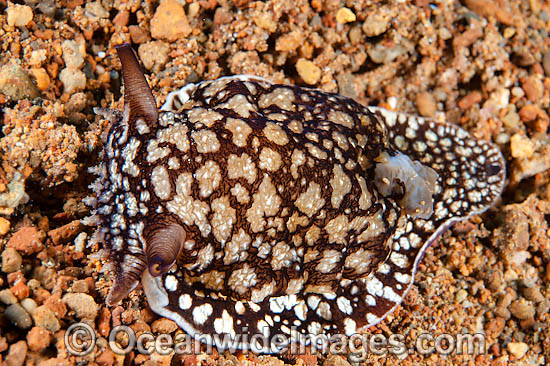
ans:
x=246 y=207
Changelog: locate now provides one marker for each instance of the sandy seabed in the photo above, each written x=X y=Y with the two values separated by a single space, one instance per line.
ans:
x=482 y=64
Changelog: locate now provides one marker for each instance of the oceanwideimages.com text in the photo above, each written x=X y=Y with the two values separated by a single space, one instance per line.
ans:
x=80 y=340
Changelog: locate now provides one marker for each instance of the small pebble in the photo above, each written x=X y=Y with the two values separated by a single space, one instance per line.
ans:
x=19 y=15
x=26 y=240
x=511 y=120
x=4 y=226
x=289 y=42
x=523 y=57
x=222 y=16
x=83 y=305
x=54 y=362
x=138 y=35
x=444 y=33
x=122 y=18
x=42 y=78
x=154 y=55
x=425 y=103
x=308 y=71
x=16 y=354
x=521 y=146
x=73 y=80
x=540 y=124
x=502 y=312
x=193 y=9
x=76 y=104
x=533 y=294
x=95 y=10
x=495 y=327
x=40 y=295
x=502 y=138
x=128 y=316
x=543 y=306
x=517 y=92
x=7 y=297
x=55 y=304
x=518 y=349
x=336 y=360
x=38 y=339
x=470 y=99
x=522 y=309
x=147 y=315
x=496 y=284
x=375 y=24
x=15 y=277
x=80 y=286
x=529 y=112
x=33 y=284
x=164 y=326
x=73 y=206
x=106 y=358
x=18 y=316
x=47 y=7
x=468 y=37
x=16 y=83
x=20 y=290
x=140 y=326
x=538 y=163
x=461 y=295
x=265 y=21
x=72 y=54
x=29 y=305
x=382 y=54
x=45 y=318
x=170 y=22
x=487 y=8
x=11 y=260
x=533 y=88
x=506 y=299
x=355 y=35
x=104 y=322
x=527 y=323
x=535 y=6
x=80 y=242
x=518 y=257
x=509 y=32
x=510 y=275
x=66 y=232
x=346 y=86
x=345 y=15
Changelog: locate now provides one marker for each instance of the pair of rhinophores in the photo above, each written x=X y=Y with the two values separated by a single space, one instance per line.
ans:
x=249 y=208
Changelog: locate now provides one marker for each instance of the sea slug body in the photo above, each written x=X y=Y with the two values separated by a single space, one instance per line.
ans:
x=244 y=207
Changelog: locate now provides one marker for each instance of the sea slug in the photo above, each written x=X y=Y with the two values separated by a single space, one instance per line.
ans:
x=246 y=207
